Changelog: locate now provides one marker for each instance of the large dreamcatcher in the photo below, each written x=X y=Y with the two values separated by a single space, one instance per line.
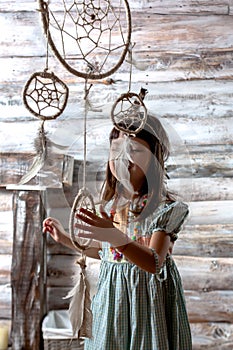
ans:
x=90 y=38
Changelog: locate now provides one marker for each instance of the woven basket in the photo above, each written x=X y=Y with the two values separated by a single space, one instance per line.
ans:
x=63 y=344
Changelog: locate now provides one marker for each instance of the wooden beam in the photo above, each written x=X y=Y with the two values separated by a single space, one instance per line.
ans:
x=27 y=274
x=5 y=302
x=210 y=213
x=212 y=336
x=205 y=241
x=158 y=6
x=215 y=306
x=62 y=270
x=205 y=274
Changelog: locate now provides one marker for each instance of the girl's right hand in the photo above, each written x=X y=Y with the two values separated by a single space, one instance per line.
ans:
x=55 y=229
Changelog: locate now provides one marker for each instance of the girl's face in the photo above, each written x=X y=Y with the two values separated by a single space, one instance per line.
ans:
x=138 y=155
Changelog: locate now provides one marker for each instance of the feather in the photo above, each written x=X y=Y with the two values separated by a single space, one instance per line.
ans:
x=34 y=169
x=121 y=162
x=40 y=144
x=140 y=65
x=86 y=328
x=80 y=305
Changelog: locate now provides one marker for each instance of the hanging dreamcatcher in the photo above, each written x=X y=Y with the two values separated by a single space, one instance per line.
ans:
x=90 y=38
x=45 y=96
x=129 y=113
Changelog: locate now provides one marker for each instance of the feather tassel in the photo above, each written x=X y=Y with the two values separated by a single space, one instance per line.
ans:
x=121 y=160
x=38 y=162
x=80 y=305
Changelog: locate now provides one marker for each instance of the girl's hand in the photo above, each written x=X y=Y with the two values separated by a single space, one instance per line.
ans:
x=99 y=228
x=55 y=229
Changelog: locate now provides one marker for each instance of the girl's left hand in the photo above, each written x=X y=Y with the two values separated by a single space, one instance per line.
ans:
x=99 y=228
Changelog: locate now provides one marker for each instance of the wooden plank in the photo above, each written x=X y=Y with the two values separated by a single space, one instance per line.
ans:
x=15 y=6
x=182 y=131
x=178 y=32
x=210 y=273
x=202 y=189
x=51 y=174
x=197 y=161
x=198 y=240
x=201 y=161
x=193 y=162
x=181 y=7
x=205 y=241
x=6 y=225
x=148 y=68
x=213 y=306
x=5 y=246
x=62 y=269
x=27 y=274
x=5 y=302
x=163 y=7
x=212 y=336
x=210 y=213
x=5 y=268
x=193 y=188
x=204 y=99
x=230 y=7
x=6 y=199
x=201 y=213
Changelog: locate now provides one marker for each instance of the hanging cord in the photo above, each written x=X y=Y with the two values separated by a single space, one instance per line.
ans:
x=86 y=108
x=83 y=197
x=47 y=36
x=45 y=13
x=80 y=305
x=130 y=53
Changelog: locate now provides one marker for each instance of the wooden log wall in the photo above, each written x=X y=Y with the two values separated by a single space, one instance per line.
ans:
x=183 y=56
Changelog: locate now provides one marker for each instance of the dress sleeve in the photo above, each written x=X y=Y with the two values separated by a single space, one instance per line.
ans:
x=170 y=219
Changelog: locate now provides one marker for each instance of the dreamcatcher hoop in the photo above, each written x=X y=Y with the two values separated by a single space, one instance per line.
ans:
x=129 y=113
x=83 y=199
x=45 y=95
x=93 y=22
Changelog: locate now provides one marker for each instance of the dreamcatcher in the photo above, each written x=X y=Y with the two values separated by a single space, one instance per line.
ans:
x=45 y=96
x=129 y=112
x=90 y=38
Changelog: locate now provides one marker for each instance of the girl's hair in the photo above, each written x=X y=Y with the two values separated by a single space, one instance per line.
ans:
x=154 y=134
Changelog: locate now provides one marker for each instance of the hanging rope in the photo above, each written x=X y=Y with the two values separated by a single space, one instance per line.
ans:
x=80 y=305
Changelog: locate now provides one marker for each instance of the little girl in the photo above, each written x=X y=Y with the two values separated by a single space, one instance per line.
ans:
x=139 y=303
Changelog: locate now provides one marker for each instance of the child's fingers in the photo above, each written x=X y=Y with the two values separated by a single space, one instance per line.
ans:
x=103 y=213
x=87 y=212
x=85 y=219
x=47 y=229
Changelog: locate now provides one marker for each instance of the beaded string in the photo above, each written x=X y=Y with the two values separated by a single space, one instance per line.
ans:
x=117 y=255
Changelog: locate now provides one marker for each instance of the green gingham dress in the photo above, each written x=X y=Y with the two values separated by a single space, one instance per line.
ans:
x=137 y=310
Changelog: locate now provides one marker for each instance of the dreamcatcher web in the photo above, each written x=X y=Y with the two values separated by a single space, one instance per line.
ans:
x=129 y=113
x=45 y=95
x=89 y=37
